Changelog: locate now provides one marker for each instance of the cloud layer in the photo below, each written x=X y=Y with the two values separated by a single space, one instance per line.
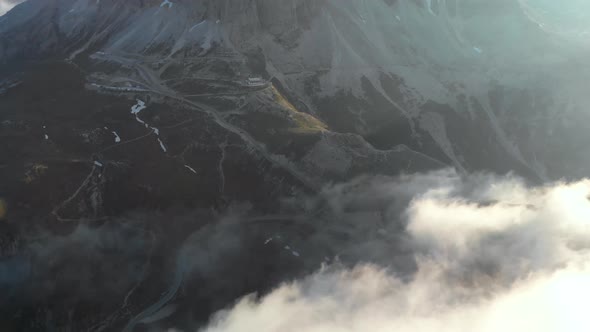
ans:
x=492 y=255
x=6 y=5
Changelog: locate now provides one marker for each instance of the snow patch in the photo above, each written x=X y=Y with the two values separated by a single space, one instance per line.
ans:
x=140 y=106
x=190 y=169
x=293 y=252
x=117 y=138
x=162 y=145
x=141 y=121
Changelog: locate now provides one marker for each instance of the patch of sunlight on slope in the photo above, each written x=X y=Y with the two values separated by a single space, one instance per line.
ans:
x=306 y=123
x=3 y=209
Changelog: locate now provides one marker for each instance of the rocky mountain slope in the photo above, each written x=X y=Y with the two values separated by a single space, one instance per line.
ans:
x=117 y=109
x=364 y=67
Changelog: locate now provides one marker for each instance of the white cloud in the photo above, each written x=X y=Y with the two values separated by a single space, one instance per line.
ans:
x=493 y=255
x=6 y=5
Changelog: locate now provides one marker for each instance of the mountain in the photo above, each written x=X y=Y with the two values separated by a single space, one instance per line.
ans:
x=179 y=110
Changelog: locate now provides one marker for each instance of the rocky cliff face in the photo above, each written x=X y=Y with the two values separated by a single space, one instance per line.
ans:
x=355 y=64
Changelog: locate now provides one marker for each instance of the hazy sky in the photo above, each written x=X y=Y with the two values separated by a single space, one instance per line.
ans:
x=5 y=5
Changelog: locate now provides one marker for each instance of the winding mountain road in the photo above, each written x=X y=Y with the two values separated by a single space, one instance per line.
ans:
x=153 y=83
